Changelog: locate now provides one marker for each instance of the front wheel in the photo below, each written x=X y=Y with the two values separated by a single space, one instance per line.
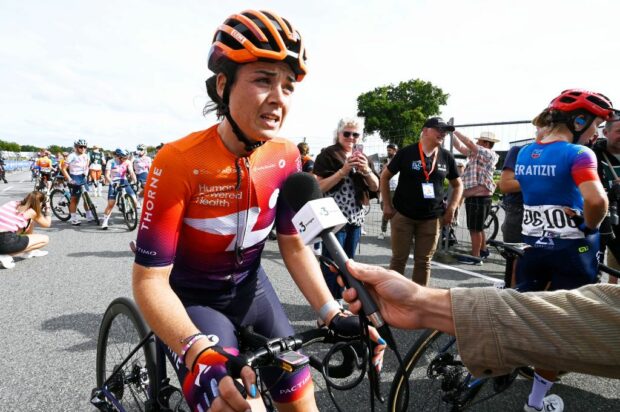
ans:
x=130 y=212
x=435 y=376
x=91 y=207
x=491 y=226
x=59 y=202
x=122 y=329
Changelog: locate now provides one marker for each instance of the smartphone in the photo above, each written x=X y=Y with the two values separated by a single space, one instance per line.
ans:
x=358 y=148
x=291 y=360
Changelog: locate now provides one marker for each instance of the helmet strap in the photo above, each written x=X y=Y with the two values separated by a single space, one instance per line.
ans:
x=242 y=137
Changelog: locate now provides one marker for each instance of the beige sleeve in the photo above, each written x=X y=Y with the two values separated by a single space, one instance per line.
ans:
x=577 y=330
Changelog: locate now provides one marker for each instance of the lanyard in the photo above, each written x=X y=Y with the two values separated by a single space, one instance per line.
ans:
x=423 y=160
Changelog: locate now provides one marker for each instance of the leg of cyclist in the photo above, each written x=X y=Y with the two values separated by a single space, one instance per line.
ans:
x=76 y=193
x=112 y=189
x=130 y=192
x=94 y=177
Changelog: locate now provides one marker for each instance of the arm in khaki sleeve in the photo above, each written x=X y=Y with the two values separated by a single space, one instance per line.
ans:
x=499 y=330
x=305 y=270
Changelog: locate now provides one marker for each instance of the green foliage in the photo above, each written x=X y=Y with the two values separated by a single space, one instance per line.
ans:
x=9 y=146
x=398 y=112
x=54 y=148
x=29 y=148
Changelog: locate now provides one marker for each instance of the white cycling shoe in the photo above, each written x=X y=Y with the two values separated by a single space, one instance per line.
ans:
x=551 y=403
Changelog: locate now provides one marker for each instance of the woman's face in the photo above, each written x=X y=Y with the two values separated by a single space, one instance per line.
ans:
x=348 y=137
x=591 y=133
x=260 y=98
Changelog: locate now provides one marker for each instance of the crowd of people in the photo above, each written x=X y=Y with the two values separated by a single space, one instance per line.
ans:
x=198 y=277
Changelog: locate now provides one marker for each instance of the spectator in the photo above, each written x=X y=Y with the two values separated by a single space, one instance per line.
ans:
x=348 y=177
x=513 y=208
x=17 y=220
x=479 y=188
x=391 y=151
x=307 y=164
x=418 y=200
x=95 y=168
x=500 y=330
x=607 y=156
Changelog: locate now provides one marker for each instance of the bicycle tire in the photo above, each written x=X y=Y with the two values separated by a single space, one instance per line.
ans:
x=130 y=212
x=91 y=207
x=427 y=393
x=122 y=328
x=491 y=225
x=59 y=203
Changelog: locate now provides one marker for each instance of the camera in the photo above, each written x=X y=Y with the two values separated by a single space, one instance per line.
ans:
x=614 y=196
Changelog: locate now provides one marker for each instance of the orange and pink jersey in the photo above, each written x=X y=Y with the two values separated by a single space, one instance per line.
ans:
x=210 y=212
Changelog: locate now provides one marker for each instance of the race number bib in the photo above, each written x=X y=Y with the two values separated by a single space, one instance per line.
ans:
x=549 y=221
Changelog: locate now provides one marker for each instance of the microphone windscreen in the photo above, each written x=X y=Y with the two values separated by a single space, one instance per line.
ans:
x=299 y=189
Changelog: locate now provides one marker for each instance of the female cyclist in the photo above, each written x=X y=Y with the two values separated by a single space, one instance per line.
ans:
x=564 y=203
x=116 y=174
x=211 y=200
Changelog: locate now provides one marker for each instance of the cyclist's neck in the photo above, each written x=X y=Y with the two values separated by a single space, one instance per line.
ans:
x=230 y=141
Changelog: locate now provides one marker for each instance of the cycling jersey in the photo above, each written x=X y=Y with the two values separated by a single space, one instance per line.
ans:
x=78 y=164
x=44 y=164
x=118 y=170
x=562 y=257
x=141 y=164
x=549 y=175
x=210 y=212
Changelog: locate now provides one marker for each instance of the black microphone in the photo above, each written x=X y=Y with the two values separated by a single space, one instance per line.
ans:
x=319 y=216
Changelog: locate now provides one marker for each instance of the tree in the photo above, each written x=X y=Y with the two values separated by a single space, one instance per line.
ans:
x=397 y=113
x=29 y=148
x=9 y=146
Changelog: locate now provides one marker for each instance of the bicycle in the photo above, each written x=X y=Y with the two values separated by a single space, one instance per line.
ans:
x=60 y=199
x=126 y=205
x=442 y=380
x=491 y=223
x=131 y=364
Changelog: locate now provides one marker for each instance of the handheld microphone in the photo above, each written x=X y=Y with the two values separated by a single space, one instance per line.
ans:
x=318 y=216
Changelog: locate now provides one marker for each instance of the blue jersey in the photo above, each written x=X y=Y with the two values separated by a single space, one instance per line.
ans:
x=550 y=175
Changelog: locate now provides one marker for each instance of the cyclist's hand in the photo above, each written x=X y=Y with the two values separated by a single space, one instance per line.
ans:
x=72 y=182
x=215 y=363
x=348 y=326
x=394 y=295
x=577 y=217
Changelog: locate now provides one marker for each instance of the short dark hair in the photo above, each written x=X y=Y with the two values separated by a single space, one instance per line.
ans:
x=392 y=146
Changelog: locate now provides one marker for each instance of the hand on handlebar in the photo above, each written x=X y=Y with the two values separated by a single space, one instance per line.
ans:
x=215 y=363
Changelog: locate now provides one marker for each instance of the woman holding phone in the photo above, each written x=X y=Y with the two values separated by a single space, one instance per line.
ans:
x=346 y=174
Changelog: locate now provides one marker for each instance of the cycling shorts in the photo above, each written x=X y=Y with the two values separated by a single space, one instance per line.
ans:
x=571 y=264
x=252 y=302
x=78 y=187
x=477 y=209
x=142 y=177
x=113 y=189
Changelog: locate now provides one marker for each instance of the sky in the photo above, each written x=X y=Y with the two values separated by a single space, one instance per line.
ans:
x=119 y=73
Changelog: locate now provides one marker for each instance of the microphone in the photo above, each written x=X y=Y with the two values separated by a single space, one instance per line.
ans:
x=317 y=216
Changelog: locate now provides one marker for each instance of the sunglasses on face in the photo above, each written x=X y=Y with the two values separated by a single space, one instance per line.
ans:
x=81 y=147
x=349 y=134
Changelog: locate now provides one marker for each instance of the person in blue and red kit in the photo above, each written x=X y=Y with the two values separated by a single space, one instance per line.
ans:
x=564 y=204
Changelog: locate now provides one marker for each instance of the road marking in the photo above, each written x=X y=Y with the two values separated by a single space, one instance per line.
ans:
x=5 y=189
x=495 y=281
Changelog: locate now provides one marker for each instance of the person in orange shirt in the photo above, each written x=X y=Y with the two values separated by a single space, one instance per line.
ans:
x=44 y=163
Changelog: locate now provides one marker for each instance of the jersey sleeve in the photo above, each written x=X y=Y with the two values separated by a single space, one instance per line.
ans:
x=583 y=167
x=284 y=213
x=394 y=164
x=166 y=196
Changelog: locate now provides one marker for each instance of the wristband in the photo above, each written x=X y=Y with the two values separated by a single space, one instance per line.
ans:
x=366 y=174
x=190 y=342
x=328 y=307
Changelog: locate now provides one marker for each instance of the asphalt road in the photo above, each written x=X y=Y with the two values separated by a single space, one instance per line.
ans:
x=51 y=307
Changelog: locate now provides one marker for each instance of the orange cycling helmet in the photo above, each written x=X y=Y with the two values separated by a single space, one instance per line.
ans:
x=258 y=36
x=571 y=100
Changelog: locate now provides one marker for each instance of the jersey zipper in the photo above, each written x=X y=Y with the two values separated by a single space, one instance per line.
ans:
x=241 y=230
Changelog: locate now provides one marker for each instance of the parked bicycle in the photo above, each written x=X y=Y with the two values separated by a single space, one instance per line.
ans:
x=131 y=363
x=60 y=197
x=434 y=368
x=491 y=223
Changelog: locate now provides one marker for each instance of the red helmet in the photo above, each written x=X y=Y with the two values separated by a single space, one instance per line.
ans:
x=575 y=99
x=258 y=35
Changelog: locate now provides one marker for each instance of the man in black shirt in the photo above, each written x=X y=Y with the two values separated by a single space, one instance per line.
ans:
x=417 y=211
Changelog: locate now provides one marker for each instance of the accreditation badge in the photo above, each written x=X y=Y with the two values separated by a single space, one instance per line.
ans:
x=428 y=190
